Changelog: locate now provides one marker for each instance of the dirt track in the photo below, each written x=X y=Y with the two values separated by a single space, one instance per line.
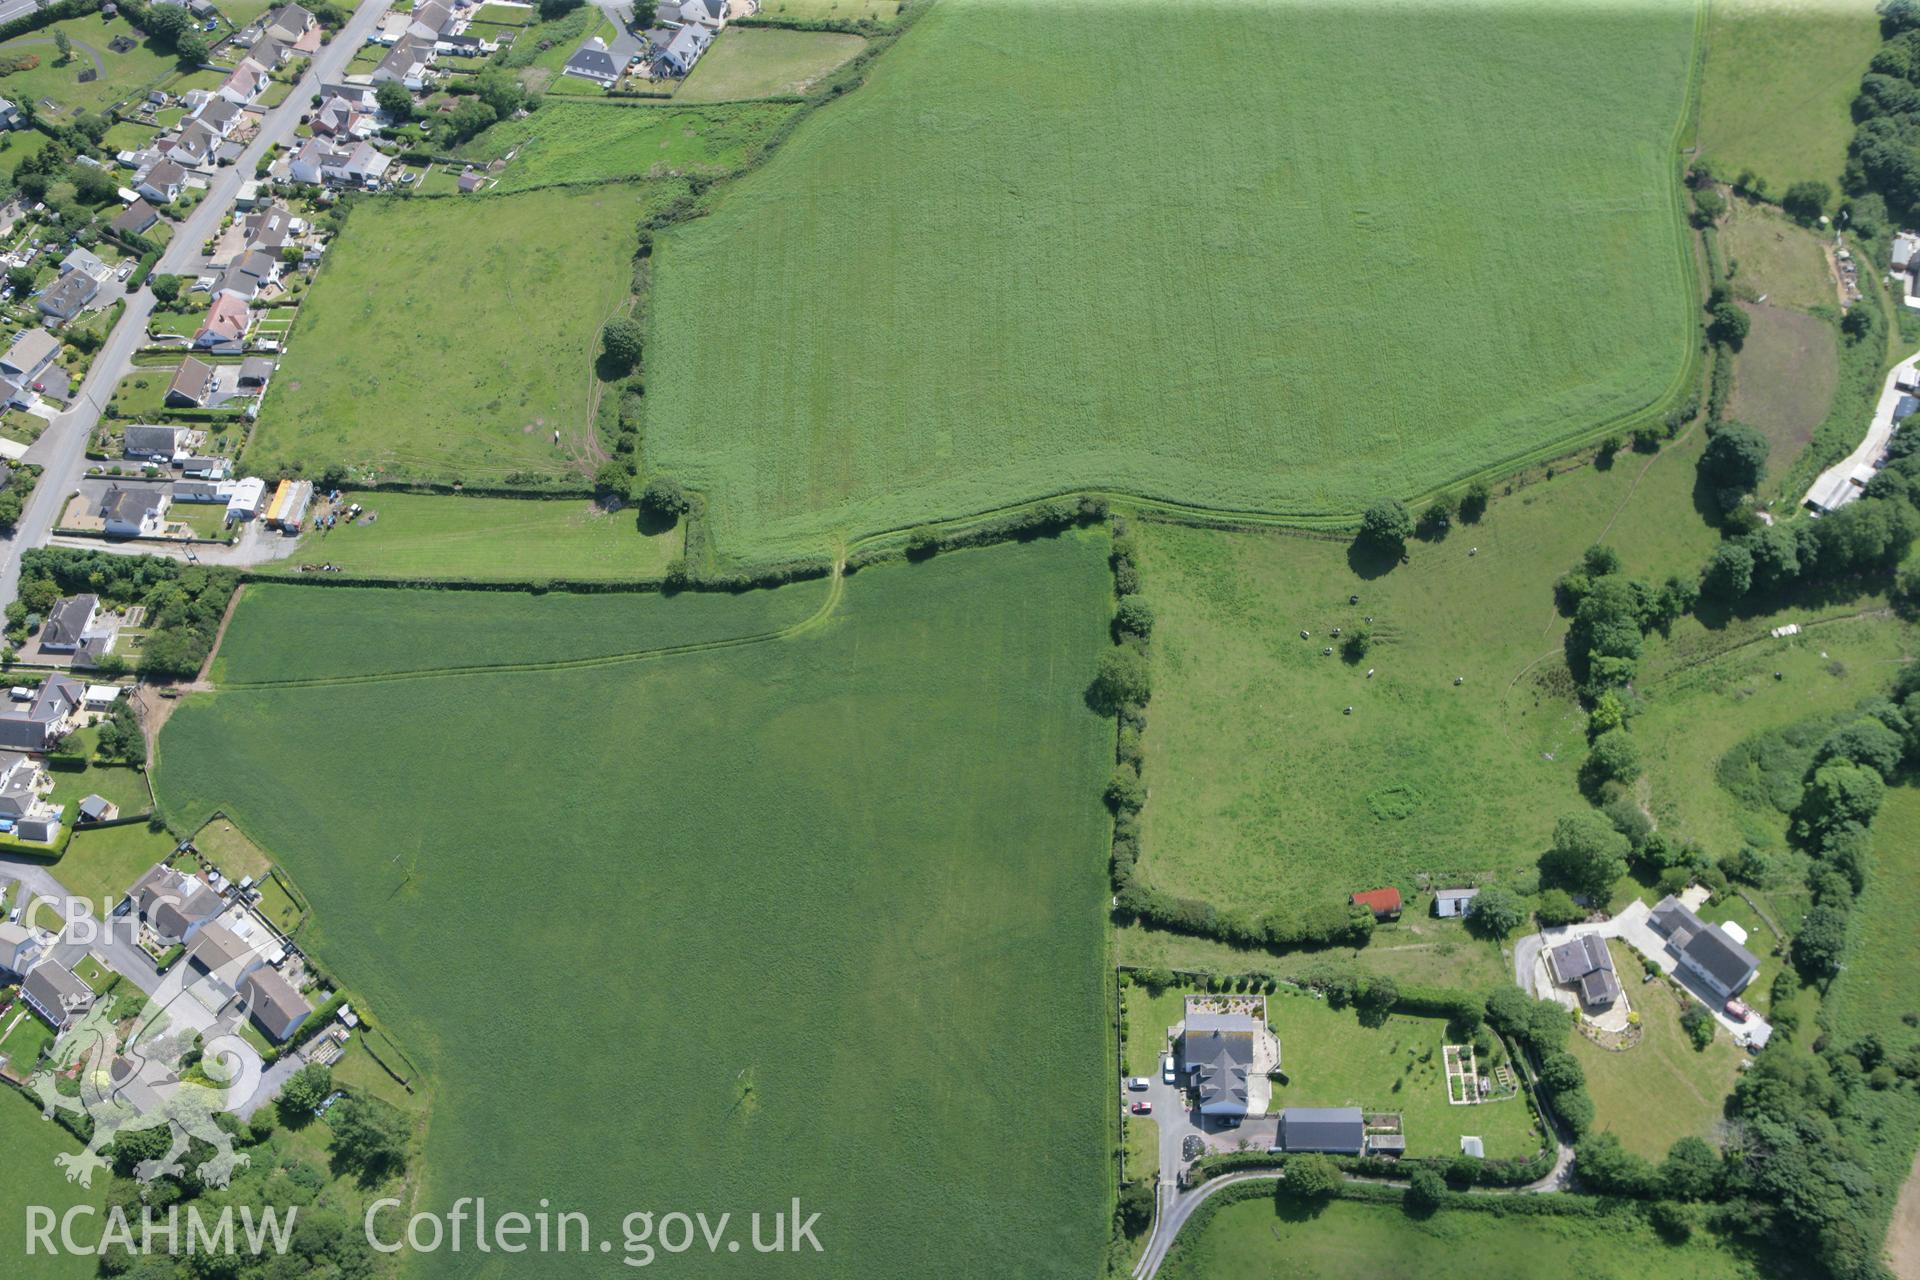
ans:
x=1903 y=1238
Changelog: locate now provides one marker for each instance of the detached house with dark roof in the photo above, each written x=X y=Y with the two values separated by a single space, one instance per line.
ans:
x=592 y=61
x=1584 y=964
x=52 y=991
x=68 y=296
x=276 y=1005
x=1706 y=952
x=39 y=724
x=68 y=623
x=173 y=904
x=192 y=387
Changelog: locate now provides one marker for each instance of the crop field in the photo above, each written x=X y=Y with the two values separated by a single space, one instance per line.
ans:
x=1780 y=77
x=419 y=535
x=1258 y=1238
x=119 y=75
x=30 y=1144
x=587 y=142
x=1263 y=791
x=1264 y=318
x=463 y=362
x=746 y=62
x=351 y=632
x=771 y=926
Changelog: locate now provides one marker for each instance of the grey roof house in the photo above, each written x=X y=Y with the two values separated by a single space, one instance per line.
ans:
x=592 y=61
x=1585 y=964
x=68 y=622
x=275 y=1004
x=1336 y=1131
x=1704 y=950
x=1216 y=1052
x=68 y=296
x=37 y=725
x=174 y=905
x=52 y=991
x=160 y=443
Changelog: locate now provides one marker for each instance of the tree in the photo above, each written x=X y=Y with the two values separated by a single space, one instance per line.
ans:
x=551 y=9
x=1615 y=757
x=1386 y=524
x=394 y=101
x=1561 y=1070
x=1692 y=1170
x=1427 y=1190
x=1507 y=1009
x=1867 y=742
x=1734 y=461
x=1698 y=1024
x=192 y=47
x=1587 y=855
x=167 y=23
x=1357 y=642
x=1607 y=1167
x=1133 y=617
x=305 y=1089
x=1473 y=503
x=1309 y=1177
x=1729 y=573
x=468 y=117
x=93 y=185
x=1121 y=678
x=613 y=479
x=1135 y=1210
x=165 y=288
x=1730 y=325
x=1822 y=940
x=502 y=90
x=1609 y=712
x=369 y=1137
x=1806 y=201
x=1556 y=908
x=621 y=340
x=64 y=44
x=1838 y=794
x=1495 y=912
x=664 y=499
x=1437 y=520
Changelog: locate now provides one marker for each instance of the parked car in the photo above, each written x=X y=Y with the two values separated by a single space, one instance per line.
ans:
x=1738 y=1011
x=1166 y=1068
x=1141 y=1107
x=1138 y=1084
x=126 y=269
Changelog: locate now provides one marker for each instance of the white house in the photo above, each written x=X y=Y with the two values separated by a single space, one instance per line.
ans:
x=1707 y=952
x=137 y=512
x=248 y=81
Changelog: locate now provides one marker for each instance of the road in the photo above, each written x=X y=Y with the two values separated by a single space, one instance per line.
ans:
x=62 y=448
x=1830 y=487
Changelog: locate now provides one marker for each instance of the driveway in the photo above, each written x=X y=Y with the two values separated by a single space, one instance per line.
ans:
x=1879 y=430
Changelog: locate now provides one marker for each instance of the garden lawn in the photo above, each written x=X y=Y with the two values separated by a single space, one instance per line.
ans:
x=1258 y=1238
x=587 y=142
x=984 y=278
x=30 y=1177
x=511 y=15
x=465 y=362
x=1333 y=1060
x=1662 y=1089
x=102 y=863
x=1263 y=792
x=746 y=62
x=440 y=536
x=1780 y=78
x=121 y=75
x=350 y=632
x=783 y=867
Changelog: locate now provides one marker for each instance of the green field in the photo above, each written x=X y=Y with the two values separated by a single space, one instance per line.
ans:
x=121 y=75
x=587 y=142
x=435 y=536
x=1256 y=1239
x=833 y=10
x=450 y=339
x=771 y=950
x=763 y=63
x=30 y=1143
x=101 y=865
x=1780 y=76
x=919 y=308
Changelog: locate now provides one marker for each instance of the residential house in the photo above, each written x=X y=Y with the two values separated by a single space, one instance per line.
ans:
x=342 y=118
x=288 y=24
x=364 y=165
x=248 y=81
x=1585 y=964
x=260 y=266
x=1451 y=903
x=52 y=991
x=430 y=21
x=23 y=787
x=136 y=219
x=1384 y=903
x=674 y=13
x=1216 y=1055
x=675 y=51
x=136 y=512
x=225 y=328
x=10 y=117
x=84 y=260
x=19 y=948
x=28 y=355
x=276 y=1005
x=268 y=52
x=193 y=385
x=38 y=724
x=68 y=623
x=163 y=182
x=68 y=296
x=271 y=228
x=592 y=61
x=219 y=117
x=255 y=371
x=222 y=955
x=173 y=904
x=1706 y=952
x=407 y=62
x=1906 y=252
x=1334 y=1131
x=154 y=443
x=192 y=147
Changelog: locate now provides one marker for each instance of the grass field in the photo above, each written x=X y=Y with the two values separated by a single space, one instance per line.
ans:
x=589 y=142
x=350 y=632
x=464 y=363
x=432 y=535
x=1780 y=77
x=30 y=1143
x=1770 y=255
x=772 y=951
x=762 y=63
x=1251 y=304
x=1453 y=959
x=841 y=10
x=1259 y=1238
x=1661 y=1089
x=101 y=865
x=121 y=75
x=1784 y=379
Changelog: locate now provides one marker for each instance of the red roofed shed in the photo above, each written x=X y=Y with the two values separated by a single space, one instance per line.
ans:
x=1384 y=903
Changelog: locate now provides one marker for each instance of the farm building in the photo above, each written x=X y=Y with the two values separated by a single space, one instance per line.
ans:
x=1335 y=1131
x=1584 y=964
x=1384 y=903
x=288 y=510
x=246 y=499
x=1451 y=903
x=1705 y=951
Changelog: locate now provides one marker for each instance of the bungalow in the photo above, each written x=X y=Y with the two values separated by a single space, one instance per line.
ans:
x=193 y=146
x=268 y=52
x=163 y=182
x=68 y=296
x=592 y=61
x=1707 y=952
x=1450 y=903
x=137 y=218
x=1384 y=903
x=248 y=81
x=407 y=63
x=675 y=52
x=341 y=118
x=260 y=266
x=134 y=512
x=153 y=443
x=276 y=1005
x=1337 y=1131
x=22 y=788
x=10 y=117
x=365 y=165
x=87 y=262
x=19 y=948
x=711 y=13
x=222 y=955
x=68 y=623
x=39 y=724
x=52 y=991
x=174 y=904
x=28 y=355
x=1585 y=964
x=218 y=117
x=225 y=328
x=288 y=23
x=271 y=228
x=193 y=384
x=430 y=21
x=1216 y=1055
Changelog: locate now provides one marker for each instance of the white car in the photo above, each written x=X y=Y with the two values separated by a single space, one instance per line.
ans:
x=1138 y=1084
x=126 y=269
x=1166 y=1069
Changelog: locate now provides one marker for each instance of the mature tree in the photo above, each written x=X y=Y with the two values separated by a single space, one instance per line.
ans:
x=1839 y=793
x=1729 y=573
x=1698 y=1024
x=369 y=1137
x=1615 y=757
x=135 y=1146
x=1473 y=503
x=1495 y=912
x=1555 y=907
x=304 y=1090
x=664 y=499
x=1806 y=201
x=1576 y=1110
x=1692 y=1170
x=1821 y=942
x=1604 y=1165
x=1386 y=524
x=1135 y=1210
x=165 y=288
x=1507 y=1009
x=1733 y=463
x=394 y=101
x=1730 y=324
x=622 y=340
x=1548 y=1024
x=1561 y=1070
x=1427 y=1190
x=1437 y=520
x=93 y=185
x=1865 y=741
x=502 y=90
x=64 y=43
x=1133 y=617
x=1357 y=642
x=192 y=47
x=1599 y=560
x=1587 y=855
x=167 y=23
x=1309 y=1177
x=468 y=117
x=1121 y=678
